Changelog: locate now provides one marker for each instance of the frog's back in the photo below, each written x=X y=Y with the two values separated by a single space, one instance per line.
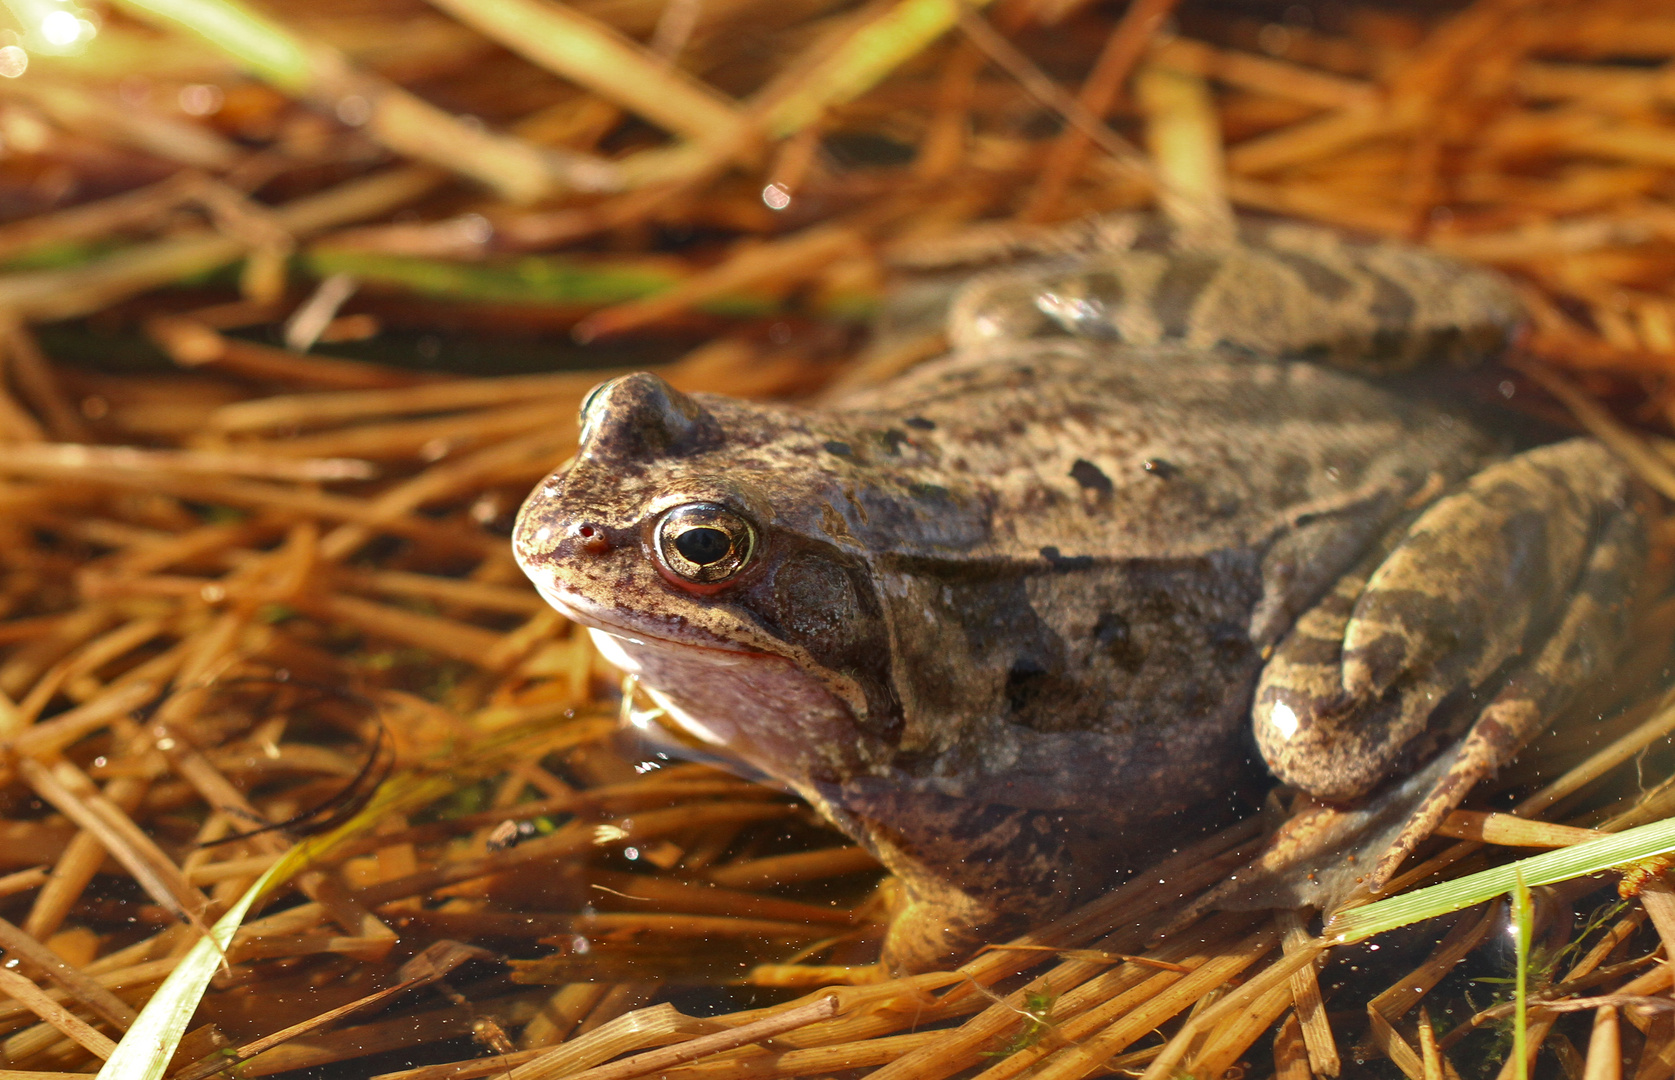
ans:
x=1106 y=534
x=1106 y=451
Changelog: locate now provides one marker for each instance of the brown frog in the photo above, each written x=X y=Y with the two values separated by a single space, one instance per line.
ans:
x=1004 y=617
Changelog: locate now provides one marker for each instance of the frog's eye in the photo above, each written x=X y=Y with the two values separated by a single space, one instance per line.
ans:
x=704 y=543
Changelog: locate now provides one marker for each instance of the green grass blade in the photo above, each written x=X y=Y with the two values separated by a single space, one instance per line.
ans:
x=1562 y=864
x=861 y=61
x=1523 y=922
x=257 y=42
x=555 y=280
x=147 y=1047
x=534 y=279
x=145 y=1050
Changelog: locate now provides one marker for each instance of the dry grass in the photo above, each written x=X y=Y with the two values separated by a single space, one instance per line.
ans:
x=246 y=590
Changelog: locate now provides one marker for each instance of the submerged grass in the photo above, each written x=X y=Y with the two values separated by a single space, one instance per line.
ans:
x=148 y=1047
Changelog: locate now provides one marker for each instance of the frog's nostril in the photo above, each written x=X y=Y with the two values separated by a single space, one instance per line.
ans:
x=592 y=538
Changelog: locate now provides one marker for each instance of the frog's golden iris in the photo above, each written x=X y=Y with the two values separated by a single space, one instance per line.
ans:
x=704 y=543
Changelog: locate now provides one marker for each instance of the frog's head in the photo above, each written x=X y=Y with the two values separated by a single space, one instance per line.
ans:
x=696 y=540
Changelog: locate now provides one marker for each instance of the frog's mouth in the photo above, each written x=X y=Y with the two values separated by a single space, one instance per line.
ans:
x=580 y=610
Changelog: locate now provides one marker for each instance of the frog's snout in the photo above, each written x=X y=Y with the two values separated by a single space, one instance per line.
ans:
x=563 y=542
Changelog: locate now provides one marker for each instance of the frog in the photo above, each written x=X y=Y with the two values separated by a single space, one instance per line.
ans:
x=1151 y=522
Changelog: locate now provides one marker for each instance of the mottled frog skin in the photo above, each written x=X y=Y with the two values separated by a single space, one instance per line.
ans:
x=1004 y=617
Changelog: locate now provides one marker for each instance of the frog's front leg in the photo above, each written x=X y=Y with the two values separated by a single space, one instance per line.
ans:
x=1516 y=588
x=973 y=869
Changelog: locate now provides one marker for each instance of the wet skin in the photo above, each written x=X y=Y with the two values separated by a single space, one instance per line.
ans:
x=1006 y=616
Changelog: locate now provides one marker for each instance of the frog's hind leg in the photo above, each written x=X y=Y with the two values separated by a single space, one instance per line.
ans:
x=1284 y=291
x=1517 y=587
x=1371 y=306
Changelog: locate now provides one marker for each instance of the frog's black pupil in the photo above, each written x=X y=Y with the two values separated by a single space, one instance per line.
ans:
x=704 y=545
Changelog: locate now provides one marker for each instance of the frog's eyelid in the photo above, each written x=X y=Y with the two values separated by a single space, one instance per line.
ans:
x=587 y=401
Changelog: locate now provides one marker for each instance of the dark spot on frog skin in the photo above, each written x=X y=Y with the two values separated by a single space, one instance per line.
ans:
x=920 y=423
x=1082 y=413
x=1154 y=234
x=1321 y=280
x=1453 y=343
x=1393 y=308
x=894 y=440
x=834 y=525
x=1023 y=682
x=841 y=449
x=933 y=492
x=1160 y=468
x=1178 y=290
x=1230 y=641
x=1392 y=305
x=1116 y=637
x=1106 y=287
x=1087 y=474
x=1064 y=564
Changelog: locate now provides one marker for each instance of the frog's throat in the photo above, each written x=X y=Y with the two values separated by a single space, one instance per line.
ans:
x=762 y=708
x=610 y=647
